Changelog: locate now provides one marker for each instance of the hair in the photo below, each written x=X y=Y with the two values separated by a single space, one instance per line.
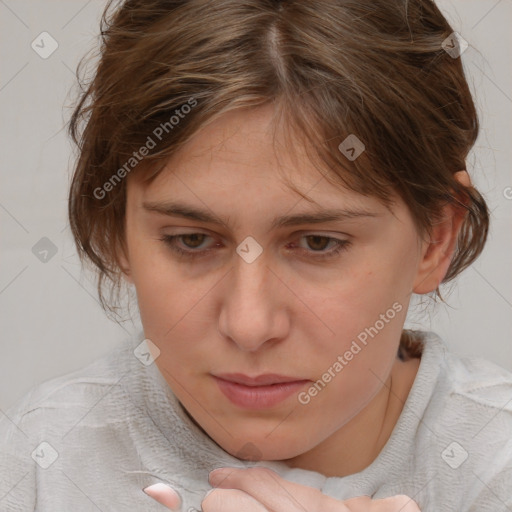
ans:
x=374 y=69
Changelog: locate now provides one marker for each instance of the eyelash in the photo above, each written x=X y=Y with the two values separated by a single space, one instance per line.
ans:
x=169 y=240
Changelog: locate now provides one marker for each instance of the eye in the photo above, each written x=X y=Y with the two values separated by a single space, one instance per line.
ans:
x=320 y=242
x=194 y=241
x=191 y=240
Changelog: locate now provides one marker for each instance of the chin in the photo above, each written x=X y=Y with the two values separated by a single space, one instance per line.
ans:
x=261 y=450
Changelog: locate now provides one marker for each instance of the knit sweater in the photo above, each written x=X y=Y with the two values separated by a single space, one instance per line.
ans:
x=93 y=439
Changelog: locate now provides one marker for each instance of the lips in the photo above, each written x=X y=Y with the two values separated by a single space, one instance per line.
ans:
x=266 y=379
x=257 y=393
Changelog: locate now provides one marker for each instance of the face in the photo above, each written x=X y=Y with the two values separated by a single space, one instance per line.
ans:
x=323 y=301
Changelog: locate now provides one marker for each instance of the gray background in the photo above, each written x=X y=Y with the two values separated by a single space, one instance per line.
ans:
x=51 y=320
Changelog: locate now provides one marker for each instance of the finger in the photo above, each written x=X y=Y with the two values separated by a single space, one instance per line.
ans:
x=399 y=503
x=230 y=500
x=360 y=504
x=164 y=495
x=274 y=492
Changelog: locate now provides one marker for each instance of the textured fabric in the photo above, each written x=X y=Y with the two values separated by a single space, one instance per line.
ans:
x=115 y=427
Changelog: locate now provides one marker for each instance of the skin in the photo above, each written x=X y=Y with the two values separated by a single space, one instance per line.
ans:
x=286 y=312
x=260 y=489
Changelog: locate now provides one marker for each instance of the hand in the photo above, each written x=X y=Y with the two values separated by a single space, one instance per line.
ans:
x=260 y=489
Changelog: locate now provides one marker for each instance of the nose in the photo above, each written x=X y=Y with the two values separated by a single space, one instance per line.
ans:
x=253 y=311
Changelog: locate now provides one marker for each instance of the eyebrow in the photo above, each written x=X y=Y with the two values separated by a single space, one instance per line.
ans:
x=178 y=209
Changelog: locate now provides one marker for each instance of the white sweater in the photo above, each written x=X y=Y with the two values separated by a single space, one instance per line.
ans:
x=115 y=427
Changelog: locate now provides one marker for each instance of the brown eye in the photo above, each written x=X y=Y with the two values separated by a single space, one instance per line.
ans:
x=317 y=246
x=190 y=245
x=187 y=245
x=315 y=242
x=193 y=240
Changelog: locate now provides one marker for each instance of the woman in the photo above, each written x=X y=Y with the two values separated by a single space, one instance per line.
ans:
x=274 y=180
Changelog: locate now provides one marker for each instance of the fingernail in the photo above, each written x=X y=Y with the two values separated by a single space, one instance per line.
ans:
x=217 y=474
x=164 y=495
x=217 y=471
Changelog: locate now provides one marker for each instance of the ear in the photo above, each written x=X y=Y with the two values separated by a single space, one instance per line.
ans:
x=437 y=253
x=124 y=264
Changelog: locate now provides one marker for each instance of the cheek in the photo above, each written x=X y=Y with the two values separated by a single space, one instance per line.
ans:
x=354 y=298
x=354 y=358
x=361 y=315
x=175 y=307
x=162 y=293
x=152 y=282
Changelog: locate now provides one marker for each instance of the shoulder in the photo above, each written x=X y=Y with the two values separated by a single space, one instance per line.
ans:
x=465 y=385
x=474 y=377
x=56 y=397
x=46 y=412
x=469 y=420
x=478 y=381
x=454 y=438
x=477 y=404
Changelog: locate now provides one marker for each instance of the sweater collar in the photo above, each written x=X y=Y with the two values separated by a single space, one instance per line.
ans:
x=153 y=397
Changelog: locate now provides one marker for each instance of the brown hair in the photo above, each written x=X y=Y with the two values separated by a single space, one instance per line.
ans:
x=375 y=69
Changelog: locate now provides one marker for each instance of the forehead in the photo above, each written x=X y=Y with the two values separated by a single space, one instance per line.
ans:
x=244 y=155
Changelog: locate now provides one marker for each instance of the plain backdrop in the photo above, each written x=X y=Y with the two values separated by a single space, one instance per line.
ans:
x=51 y=319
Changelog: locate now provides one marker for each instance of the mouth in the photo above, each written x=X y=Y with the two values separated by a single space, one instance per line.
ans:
x=266 y=379
x=262 y=392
